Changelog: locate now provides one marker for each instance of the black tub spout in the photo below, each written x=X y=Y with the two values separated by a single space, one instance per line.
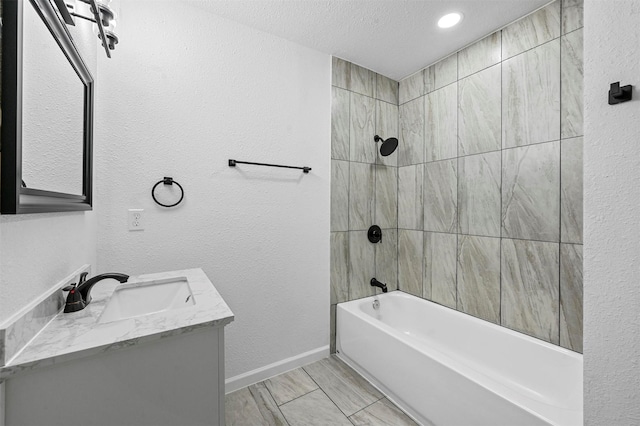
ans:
x=376 y=283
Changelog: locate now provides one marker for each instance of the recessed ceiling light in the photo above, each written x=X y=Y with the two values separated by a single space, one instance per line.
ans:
x=449 y=20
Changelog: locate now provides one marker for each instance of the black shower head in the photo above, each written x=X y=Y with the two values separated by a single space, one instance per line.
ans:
x=387 y=146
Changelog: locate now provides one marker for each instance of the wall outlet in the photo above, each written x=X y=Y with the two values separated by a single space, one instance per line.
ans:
x=135 y=218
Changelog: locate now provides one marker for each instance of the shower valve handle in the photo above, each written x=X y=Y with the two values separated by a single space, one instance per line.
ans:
x=374 y=234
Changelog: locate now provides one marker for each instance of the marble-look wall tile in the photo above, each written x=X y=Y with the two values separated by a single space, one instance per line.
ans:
x=445 y=72
x=387 y=259
x=410 y=201
x=386 y=202
x=361 y=195
x=411 y=141
x=362 y=129
x=386 y=89
x=440 y=196
x=530 y=288
x=572 y=15
x=429 y=77
x=411 y=87
x=531 y=96
x=363 y=81
x=572 y=85
x=332 y=329
x=524 y=105
x=479 y=196
x=340 y=72
x=410 y=257
x=361 y=265
x=479 y=277
x=339 y=267
x=480 y=55
x=571 y=296
x=339 y=195
x=440 y=253
x=531 y=192
x=441 y=123
x=531 y=31
x=571 y=191
x=339 y=124
x=386 y=127
x=480 y=112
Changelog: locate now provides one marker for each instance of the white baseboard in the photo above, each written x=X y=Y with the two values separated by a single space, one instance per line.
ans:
x=259 y=374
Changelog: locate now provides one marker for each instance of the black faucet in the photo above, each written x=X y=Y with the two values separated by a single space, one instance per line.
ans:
x=377 y=283
x=80 y=295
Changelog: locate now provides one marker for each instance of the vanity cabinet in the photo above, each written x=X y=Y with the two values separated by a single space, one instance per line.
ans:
x=173 y=381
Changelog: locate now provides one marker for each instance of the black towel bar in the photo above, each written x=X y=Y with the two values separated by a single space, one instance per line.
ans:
x=232 y=163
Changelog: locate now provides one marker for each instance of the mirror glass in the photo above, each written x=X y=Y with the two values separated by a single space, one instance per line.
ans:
x=52 y=112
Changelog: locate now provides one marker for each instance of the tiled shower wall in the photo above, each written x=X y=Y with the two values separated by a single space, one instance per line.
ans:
x=488 y=174
x=364 y=185
x=490 y=178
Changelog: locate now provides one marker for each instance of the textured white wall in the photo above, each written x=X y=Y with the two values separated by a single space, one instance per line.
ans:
x=611 y=215
x=38 y=250
x=184 y=92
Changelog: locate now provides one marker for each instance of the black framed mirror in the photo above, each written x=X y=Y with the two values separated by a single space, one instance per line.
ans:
x=47 y=113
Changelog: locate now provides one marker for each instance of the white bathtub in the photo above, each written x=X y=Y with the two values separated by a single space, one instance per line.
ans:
x=446 y=368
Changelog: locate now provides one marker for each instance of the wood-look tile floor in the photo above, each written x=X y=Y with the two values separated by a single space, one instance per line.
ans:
x=325 y=393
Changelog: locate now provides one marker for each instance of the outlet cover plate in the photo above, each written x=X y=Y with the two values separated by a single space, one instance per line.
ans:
x=135 y=218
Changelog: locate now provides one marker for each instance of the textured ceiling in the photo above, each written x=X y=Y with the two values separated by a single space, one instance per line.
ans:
x=392 y=37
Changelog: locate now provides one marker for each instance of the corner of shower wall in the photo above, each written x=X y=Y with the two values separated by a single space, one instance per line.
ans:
x=490 y=177
x=364 y=184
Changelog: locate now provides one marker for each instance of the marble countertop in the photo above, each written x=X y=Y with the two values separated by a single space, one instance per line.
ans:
x=79 y=334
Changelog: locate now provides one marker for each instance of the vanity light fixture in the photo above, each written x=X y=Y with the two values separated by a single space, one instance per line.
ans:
x=449 y=20
x=103 y=16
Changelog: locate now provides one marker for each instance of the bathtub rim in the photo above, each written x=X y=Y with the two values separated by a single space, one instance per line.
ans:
x=515 y=333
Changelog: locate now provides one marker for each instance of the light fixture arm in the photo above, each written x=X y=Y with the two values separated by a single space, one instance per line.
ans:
x=77 y=15
x=105 y=12
x=103 y=37
x=102 y=17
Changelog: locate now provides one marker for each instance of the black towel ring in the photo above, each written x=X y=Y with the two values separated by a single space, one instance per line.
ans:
x=167 y=181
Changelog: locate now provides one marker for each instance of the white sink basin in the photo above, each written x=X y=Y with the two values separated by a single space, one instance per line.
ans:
x=147 y=297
